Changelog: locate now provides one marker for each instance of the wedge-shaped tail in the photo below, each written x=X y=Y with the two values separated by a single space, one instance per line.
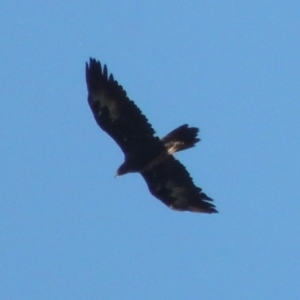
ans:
x=181 y=138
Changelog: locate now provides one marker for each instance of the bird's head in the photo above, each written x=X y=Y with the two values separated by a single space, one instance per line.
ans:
x=123 y=169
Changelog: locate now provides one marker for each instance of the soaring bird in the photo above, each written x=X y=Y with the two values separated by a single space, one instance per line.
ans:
x=145 y=153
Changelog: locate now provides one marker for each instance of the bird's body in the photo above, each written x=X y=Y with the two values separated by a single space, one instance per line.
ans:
x=166 y=177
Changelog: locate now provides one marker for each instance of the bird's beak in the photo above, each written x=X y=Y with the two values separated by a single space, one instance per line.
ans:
x=117 y=175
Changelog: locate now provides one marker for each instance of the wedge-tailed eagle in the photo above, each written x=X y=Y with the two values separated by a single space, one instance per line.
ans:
x=167 y=179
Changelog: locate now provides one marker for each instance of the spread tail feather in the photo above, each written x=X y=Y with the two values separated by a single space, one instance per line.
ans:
x=181 y=138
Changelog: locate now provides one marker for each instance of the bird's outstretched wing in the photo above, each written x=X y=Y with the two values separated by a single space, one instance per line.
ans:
x=115 y=113
x=170 y=182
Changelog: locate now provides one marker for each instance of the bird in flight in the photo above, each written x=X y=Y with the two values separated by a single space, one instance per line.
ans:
x=145 y=153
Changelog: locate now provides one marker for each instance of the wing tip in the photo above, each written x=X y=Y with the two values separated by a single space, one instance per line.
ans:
x=208 y=210
x=96 y=74
x=207 y=206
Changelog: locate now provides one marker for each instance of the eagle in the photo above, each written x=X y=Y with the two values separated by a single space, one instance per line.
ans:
x=145 y=153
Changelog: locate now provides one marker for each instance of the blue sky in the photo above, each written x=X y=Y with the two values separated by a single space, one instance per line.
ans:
x=69 y=230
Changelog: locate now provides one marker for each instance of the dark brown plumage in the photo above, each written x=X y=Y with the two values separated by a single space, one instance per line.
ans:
x=167 y=179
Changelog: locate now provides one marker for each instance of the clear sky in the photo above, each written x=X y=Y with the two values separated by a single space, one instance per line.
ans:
x=69 y=230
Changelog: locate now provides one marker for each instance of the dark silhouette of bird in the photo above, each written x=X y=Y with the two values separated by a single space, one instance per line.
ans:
x=145 y=153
